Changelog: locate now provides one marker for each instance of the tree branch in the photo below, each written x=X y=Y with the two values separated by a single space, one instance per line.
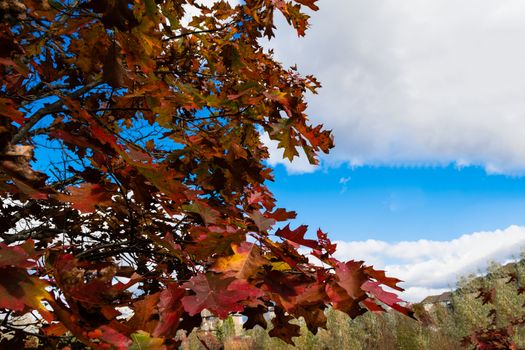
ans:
x=48 y=109
x=178 y=36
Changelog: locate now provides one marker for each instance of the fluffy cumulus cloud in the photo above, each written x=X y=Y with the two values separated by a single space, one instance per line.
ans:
x=417 y=81
x=432 y=267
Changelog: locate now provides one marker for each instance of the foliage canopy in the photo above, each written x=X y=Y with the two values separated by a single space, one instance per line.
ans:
x=144 y=119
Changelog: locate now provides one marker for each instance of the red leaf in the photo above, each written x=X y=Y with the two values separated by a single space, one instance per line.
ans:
x=375 y=289
x=343 y=302
x=20 y=291
x=220 y=296
x=16 y=256
x=281 y=214
x=351 y=277
x=113 y=337
x=297 y=236
x=9 y=110
x=380 y=276
x=325 y=242
x=170 y=311
x=310 y=3
x=372 y=306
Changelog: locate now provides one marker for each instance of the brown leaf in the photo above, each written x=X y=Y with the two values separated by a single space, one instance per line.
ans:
x=112 y=69
x=282 y=328
x=87 y=197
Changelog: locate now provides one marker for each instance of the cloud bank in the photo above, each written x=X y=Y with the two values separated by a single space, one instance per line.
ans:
x=432 y=267
x=416 y=82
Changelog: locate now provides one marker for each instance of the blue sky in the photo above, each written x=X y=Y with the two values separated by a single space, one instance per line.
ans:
x=401 y=203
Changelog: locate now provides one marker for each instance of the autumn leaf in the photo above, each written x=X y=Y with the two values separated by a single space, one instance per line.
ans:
x=111 y=336
x=143 y=341
x=243 y=264
x=310 y=3
x=282 y=328
x=343 y=302
x=17 y=256
x=87 y=197
x=170 y=311
x=20 y=290
x=144 y=315
x=380 y=276
x=261 y=221
x=351 y=277
x=219 y=295
x=297 y=236
x=255 y=317
x=375 y=289
x=208 y=214
x=9 y=110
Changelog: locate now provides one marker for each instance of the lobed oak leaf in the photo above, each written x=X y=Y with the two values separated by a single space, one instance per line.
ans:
x=15 y=161
x=219 y=295
x=8 y=110
x=379 y=293
x=325 y=242
x=285 y=288
x=144 y=313
x=310 y=3
x=371 y=305
x=297 y=236
x=351 y=277
x=281 y=214
x=313 y=316
x=343 y=302
x=111 y=336
x=243 y=264
x=207 y=213
x=282 y=328
x=20 y=291
x=262 y=222
x=86 y=197
x=379 y=275
x=170 y=311
x=256 y=197
x=17 y=256
x=255 y=317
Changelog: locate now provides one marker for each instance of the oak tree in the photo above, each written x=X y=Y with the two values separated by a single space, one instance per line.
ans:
x=133 y=177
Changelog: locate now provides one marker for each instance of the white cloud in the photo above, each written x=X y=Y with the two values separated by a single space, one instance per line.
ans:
x=432 y=267
x=417 y=81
